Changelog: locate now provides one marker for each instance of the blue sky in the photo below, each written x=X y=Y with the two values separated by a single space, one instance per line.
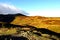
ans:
x=36 y=7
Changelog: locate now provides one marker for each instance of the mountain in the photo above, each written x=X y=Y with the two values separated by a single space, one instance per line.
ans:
x=51 y=23
x=9 y=17
x=38 y=25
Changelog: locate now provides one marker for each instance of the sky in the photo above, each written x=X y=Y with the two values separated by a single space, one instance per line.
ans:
x=47 y=8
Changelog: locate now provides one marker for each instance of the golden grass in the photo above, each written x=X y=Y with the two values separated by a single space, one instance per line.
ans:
x=6 y=31
x=51 y=23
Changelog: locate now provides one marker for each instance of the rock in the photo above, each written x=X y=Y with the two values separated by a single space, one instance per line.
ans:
x=45 y=35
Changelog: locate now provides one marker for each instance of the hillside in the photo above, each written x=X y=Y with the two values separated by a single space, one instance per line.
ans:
x=51 y=23
x=9 y=17
x=30 y=27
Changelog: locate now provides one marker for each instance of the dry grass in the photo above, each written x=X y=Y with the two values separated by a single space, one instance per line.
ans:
x=51 y=23
x=6 y=31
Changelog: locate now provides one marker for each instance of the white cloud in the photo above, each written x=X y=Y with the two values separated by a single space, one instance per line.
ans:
x=9 y=9
x=46 y=13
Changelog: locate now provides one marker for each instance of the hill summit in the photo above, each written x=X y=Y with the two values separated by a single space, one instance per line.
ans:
x=9 y=17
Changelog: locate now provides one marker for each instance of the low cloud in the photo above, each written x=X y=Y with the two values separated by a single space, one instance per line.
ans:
x=46 y=13
x=9 y=9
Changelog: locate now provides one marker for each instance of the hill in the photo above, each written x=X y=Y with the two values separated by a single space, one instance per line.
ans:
x=30 y=27
x=51 y=23
x=9 y=17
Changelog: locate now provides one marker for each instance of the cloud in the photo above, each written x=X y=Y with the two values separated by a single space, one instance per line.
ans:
x=9 y=9
x=46 y=13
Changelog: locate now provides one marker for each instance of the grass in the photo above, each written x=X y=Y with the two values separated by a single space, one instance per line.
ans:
x=6 y=31
x=39 y=22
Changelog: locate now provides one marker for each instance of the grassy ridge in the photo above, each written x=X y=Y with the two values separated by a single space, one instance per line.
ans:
x=51 y=23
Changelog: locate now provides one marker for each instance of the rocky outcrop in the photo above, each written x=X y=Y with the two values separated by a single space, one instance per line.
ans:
x=32 y=34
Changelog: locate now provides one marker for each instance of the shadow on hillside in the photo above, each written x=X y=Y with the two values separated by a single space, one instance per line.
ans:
x=9 y=17
x=46 y=31
x=9 y=37
x=32 y=28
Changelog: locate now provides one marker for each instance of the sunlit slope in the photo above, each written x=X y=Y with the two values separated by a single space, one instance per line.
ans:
x=51 y=23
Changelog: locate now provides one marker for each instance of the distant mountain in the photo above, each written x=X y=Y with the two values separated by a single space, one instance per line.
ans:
x=9 y=17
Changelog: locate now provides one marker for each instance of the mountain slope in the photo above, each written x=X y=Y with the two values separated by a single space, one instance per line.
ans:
x=9 y=17
x=51 y=23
